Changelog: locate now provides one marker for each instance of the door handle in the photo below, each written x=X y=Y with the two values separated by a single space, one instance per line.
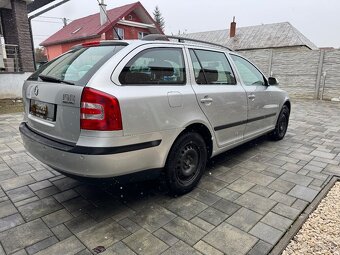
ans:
x=206 y=100
x=251 y=96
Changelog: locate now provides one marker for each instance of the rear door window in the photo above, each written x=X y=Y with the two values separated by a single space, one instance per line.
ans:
x=155 y=66
x=211 y=67
x=76 y=66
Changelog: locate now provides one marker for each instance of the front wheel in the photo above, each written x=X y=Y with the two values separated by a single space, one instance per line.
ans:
x=281 y=125
x=186 y=163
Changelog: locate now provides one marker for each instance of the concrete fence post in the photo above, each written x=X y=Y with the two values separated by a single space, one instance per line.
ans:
x=270 y=63
x=319 y=74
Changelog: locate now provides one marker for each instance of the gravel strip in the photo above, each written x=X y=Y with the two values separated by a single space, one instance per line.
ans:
x=320 y=234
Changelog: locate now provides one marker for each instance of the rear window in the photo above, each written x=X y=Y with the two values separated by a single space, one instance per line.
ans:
x=77 y=66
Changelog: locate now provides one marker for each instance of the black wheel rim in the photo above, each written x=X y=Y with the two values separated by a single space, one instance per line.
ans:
x=188 y=163
x=283 y=124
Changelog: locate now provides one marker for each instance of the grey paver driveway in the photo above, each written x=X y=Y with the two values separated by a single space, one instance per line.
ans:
x=246 y=201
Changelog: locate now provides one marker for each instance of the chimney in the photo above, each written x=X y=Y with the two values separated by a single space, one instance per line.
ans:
x=103 y=14
x=232 y=31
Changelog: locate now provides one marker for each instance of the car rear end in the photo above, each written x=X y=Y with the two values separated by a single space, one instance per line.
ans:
x=75 y=128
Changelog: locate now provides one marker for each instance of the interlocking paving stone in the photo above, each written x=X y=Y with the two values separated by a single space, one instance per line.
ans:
x=8 y=174
x=213 y=216
x=61 y=232
x=118 y=249
x=66 y=195
x=42 y=193
x=281 y=185
x=303 y=193
x=42 y=175
x=129 y=225
x=7 y=208
x=40 y=185
x=80 y=223
x=262 y=191
x=296 y=178
x=333 y=169
x=241 y=186
x=66 y=183
x=206 y=248
x=258 y=178
x=211 y=184
x=20 y=194
x=39 y=208
x=57 y=218
x=153 y=217
x=283 y=198
x=41 y=245
x=323 y=154
x=277 y=221
x=255 y=202
x=203 y=196
x=266 y=233
x=68 y=246
x=291 y=167
x=24 y=235
x=226 y=206
x=228 y=194
x=166 y=237
x=26 y=201
x=185 y=230
x=16 y=182
x=244 y=219
x=202 y=224
x=230 y=240
x=181 y=248
x=10 y=221
x=286 y=211
x=260 y=248
x=185 y=207
x=104 y=234
x=143 y=242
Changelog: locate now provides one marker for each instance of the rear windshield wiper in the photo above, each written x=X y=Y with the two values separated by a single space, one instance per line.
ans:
x=53 y=79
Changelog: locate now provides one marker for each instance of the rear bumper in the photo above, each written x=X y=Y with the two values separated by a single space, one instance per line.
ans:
x=96 y=162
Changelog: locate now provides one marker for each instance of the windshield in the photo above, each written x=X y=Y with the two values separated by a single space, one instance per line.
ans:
x=77 y=66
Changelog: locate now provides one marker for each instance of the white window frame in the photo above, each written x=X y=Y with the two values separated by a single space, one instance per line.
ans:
x=120 y=32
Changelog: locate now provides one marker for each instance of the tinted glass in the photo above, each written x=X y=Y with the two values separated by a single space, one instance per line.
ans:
x=155 y=66
x=249 y=74
x=211 y=67
x=77 y=64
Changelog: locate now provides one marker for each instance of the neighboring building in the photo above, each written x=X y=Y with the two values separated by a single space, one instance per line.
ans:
x=15 y=37
x=130 y=21
x=269 y=36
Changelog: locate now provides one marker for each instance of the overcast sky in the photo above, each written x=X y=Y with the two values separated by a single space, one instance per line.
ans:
x=317 y=20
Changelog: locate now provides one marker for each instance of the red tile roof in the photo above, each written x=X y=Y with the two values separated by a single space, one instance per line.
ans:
x=89 y=26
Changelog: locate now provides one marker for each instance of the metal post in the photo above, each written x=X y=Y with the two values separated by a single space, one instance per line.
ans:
x=319 y=75
x=270 y=63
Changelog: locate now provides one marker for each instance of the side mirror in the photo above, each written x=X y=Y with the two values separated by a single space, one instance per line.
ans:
x=273 y=81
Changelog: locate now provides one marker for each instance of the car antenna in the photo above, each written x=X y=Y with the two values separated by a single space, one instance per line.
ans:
x=107 y=16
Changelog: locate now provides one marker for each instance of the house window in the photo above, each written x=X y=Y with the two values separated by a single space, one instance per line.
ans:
x=120 y=32
x=142 y=34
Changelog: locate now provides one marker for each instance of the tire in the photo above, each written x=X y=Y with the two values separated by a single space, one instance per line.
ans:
x=281 y=125
x=186 y=163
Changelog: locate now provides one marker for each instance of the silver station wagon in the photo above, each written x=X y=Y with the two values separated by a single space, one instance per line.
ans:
x=112 y=108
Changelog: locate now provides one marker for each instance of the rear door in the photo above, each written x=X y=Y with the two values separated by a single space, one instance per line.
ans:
x=220 y=96
x=52 y=94
x=262 y=101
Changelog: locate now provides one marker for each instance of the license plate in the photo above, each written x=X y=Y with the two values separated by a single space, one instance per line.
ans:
x=43 y=110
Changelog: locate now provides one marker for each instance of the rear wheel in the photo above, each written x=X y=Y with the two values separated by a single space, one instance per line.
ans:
x=186 y=163
x=281 y=126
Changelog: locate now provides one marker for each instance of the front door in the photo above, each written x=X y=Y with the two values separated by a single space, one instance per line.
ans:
x=262 y=102
x=220 y=97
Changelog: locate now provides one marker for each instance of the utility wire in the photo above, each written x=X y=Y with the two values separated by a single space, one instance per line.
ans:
x=109 y=19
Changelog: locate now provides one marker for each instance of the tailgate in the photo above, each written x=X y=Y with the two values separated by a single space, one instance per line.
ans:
x=53 y=109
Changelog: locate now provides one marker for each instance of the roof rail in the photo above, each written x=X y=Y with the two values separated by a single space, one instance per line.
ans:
x=160 y=37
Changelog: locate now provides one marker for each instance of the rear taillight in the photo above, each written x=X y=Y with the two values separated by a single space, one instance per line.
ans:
x=99 y=111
